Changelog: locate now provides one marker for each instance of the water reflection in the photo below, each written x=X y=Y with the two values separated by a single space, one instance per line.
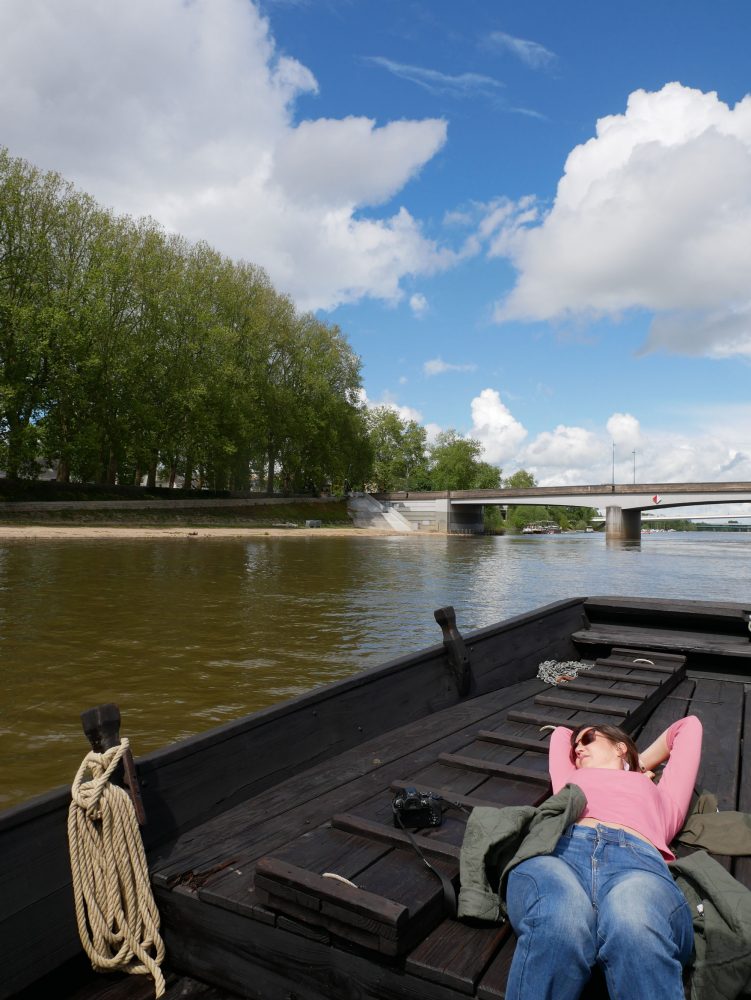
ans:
x=185 y=634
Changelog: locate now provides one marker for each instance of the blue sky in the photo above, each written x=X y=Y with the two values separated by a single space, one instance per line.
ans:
x=532 y=221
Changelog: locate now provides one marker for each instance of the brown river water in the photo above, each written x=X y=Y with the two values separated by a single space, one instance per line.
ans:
x=185 y=634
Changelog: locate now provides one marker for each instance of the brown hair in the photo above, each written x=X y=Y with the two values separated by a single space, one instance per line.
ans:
x=614 y=735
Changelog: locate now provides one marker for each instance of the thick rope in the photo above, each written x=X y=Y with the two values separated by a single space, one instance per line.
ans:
x=118 y=921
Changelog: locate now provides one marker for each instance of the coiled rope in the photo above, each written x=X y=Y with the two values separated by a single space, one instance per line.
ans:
x=118 y=921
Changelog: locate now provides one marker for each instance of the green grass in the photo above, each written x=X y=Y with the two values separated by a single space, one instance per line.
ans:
x=331 y=514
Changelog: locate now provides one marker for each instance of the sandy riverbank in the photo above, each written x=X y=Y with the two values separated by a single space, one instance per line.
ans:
x=10 y=532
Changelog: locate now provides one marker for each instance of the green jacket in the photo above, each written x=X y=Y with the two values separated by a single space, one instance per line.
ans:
x=498 y=839
x=721 y=909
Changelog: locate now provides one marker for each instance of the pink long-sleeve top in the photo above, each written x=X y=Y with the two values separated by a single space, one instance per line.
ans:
x=629 y=798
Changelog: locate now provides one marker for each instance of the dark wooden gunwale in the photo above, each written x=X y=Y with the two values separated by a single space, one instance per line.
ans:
x=34 y=891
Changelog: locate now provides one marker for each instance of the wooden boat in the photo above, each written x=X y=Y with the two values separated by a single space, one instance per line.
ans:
x=244 y=820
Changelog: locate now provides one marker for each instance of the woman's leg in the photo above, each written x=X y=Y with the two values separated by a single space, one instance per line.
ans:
x=555 y=925
x=645 y=936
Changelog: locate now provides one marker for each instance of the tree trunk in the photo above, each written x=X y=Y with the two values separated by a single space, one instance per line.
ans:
x=272 y=462
x=151 y=480
x=188 y=484
x=62 y=475
x=112 y=468
x=172 y=475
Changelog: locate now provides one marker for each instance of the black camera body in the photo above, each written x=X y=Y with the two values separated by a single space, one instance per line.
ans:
x=417 y=810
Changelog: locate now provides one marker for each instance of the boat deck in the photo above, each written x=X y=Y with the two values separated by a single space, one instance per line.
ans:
x=244 y=900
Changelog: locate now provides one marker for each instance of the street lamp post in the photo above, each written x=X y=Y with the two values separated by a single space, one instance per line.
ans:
x=634 y=454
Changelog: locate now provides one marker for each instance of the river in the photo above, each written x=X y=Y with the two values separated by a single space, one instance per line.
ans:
x=185 y=634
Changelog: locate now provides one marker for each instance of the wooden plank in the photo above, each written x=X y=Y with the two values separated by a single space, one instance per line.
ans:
x=447 y=794
x=620 y=673
x=456 y=954
x=578 y=705
x=519 y=742
x=309 y=890
x=659 y=639
x=598 y=689
x=659 y=658
x=650 y=662
x=489 y=767
x=719 y=706
x=742 y=869
x=570 y=719
x=394 y=836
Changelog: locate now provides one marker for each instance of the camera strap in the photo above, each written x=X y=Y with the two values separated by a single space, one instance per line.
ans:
x=449 y=893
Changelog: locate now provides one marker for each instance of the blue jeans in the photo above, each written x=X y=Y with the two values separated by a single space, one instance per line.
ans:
x=603 y=897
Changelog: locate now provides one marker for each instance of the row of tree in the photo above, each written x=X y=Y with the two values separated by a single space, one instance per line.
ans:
x=126 y=352
x=124 y=348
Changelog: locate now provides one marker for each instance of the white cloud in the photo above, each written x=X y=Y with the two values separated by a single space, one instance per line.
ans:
x=187 y=112
x=387 y=400
x=577 y=455
x=437 y=366
x=461 y=85
x=624 y=430
x=418 y=304
x=532 y=53
x=654 y=212
x=493 y=425
x=432 y=430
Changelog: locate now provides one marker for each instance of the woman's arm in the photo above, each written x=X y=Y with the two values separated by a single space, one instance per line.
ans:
x=559 y=758
x=656 y=753
x=680 y=745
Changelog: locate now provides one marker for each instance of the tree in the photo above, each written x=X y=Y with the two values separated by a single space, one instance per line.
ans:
x=399 y=451
x=455 y=464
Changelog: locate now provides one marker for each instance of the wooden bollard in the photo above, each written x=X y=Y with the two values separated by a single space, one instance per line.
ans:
x=101 y=725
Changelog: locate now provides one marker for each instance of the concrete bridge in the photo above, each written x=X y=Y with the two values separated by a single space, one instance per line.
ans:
x=461 y=511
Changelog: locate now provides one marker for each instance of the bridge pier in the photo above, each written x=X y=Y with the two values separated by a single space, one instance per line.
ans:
x=465 y=520
x=623 y=525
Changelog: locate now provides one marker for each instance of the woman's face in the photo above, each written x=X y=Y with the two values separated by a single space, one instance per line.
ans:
x=601 y=752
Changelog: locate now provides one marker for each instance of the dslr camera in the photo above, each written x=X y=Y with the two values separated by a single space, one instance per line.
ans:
x=416 y=810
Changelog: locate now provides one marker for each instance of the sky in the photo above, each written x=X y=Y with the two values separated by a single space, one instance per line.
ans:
x=531 y=221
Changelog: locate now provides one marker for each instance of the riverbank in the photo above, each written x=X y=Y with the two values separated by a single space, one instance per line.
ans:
x=44 y=532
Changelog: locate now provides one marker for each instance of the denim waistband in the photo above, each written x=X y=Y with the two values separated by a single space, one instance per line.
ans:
x=611 y=834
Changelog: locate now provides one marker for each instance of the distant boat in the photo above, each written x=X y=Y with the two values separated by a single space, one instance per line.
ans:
x=542 y=528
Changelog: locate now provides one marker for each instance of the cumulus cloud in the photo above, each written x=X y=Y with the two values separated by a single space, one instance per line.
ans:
x=387 y=399
x=577 y=455
x=188 y=112
x=652 y=213
x=437 y=366
x=533 y=54
x=494 y=426
x=624 y=429
x=418 y=304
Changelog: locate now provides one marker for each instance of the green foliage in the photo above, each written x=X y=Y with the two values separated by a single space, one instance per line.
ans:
x=455 y=464
x=398 y=449
x=125 y=350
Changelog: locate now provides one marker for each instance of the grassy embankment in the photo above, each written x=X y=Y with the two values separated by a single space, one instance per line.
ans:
x=281 y=513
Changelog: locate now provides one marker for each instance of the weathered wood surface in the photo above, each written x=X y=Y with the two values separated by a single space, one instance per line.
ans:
x=219 y=802
x=704 y=644
x=450 y=959
x=188 y=783
x=450 y=753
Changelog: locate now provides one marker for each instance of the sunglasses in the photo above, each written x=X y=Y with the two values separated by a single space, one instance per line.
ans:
x=586 y=738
